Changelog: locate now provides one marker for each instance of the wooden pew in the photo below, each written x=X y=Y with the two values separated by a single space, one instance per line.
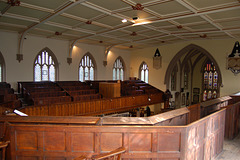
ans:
x=50 y=100
x=82 y=92
x=86 y=97
x=32 y=95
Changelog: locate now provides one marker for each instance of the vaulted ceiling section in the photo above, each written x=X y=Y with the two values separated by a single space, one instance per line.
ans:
x=148 y=22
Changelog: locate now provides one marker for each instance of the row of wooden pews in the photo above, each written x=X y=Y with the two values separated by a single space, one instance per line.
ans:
x=7 y=97
x=44 y=93
x=137 y=87
x=79 y=91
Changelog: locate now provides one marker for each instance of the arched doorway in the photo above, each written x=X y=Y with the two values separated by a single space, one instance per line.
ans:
x=188 y=67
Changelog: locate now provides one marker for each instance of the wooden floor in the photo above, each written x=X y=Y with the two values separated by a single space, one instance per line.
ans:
x=231 y=150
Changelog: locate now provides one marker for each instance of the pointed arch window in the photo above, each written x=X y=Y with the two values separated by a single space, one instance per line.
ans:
x=174 y=79
x=210 y=81
x=2 y=68
x=118 y=70
x=45 y=66
x=86 y=68
x=186 y=76
x=143 y=70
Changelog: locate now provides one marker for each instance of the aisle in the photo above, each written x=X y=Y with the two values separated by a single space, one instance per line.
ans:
x=231 y=149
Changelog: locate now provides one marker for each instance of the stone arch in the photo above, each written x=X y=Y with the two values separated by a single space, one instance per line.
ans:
x=176 y=58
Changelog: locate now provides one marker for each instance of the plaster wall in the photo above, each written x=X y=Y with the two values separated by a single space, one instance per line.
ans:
x=32 y=45
x=219 y=49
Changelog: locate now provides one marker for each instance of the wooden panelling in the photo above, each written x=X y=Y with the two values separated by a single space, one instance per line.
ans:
x=232 y=120
x=173 y=142
x=87 y=142
x=195 y=112
x=205 y=137
x=54 y=141
x=108 y=137
x=140 y=142
x=26 y=140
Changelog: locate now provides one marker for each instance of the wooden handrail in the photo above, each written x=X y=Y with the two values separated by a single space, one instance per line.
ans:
x=113 y=154
x=3 y=146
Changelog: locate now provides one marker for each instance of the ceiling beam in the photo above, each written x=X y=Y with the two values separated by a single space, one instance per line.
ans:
x=58 y=11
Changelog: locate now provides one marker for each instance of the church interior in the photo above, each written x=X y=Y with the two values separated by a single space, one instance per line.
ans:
x=125 y=79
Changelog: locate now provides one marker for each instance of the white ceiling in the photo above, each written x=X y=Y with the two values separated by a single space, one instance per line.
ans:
x=169 y=21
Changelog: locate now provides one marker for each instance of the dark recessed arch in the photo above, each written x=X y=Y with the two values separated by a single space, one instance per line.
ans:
x=176 y=58
x=3 y=68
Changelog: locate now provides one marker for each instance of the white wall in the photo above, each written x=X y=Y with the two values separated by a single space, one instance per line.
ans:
x=219 y=49
x=32 y=45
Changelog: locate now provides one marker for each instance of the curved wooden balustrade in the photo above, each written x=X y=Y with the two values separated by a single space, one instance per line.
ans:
x=202 y=139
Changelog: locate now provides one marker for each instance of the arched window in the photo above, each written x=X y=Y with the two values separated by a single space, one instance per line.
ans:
x=210 y=81
x=186 y=76
x=143 y=70
x=87 y=68
x=118 y=69
x=174 y=79
x=2 y=68
x=45 y=66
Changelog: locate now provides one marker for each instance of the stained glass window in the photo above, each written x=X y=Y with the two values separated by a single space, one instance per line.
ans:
x=144 y=72
x=210 y=81
x=44 y=67
x=86 y=68
x=118 y=70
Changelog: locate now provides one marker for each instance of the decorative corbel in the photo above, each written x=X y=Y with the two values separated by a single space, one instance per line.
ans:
x=69 y=60
x=19 y=57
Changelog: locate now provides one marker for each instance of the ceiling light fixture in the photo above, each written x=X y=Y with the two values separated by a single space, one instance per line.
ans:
x=124 y=21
